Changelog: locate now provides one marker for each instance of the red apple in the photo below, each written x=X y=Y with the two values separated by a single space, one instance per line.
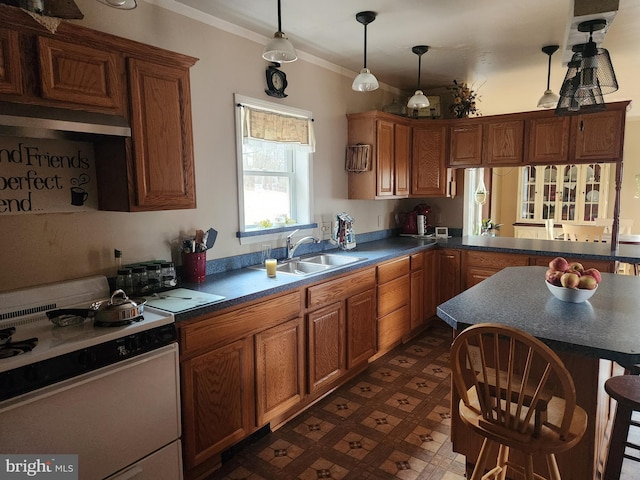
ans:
x=553 y=277
x=575 y=267
x=570 y=280
x=587 y=282
x=593 y=272
x=559 y=264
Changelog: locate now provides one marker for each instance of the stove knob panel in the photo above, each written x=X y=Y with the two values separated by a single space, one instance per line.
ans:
x=86 y=358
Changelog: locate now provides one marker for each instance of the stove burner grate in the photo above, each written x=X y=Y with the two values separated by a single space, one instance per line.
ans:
x=121 y=323
x=11 y=349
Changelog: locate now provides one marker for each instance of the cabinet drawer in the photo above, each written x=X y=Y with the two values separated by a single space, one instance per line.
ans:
x=340 y=288
x=495 y=260
x=222 y=329
x=393 y=295
x=417 y=261
x=393 y=269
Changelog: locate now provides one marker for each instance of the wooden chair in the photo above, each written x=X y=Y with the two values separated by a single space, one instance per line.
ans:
x=517 y=394
x=583 y=233
x=624 y=225
x=548 y=226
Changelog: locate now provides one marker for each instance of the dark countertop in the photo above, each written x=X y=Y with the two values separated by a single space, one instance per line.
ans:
x=605 y=326
x=246 y=284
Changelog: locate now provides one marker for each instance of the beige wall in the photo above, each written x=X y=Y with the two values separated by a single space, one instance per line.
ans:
x=43 y=248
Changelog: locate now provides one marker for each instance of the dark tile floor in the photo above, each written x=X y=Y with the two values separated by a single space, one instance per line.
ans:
x=390 y=422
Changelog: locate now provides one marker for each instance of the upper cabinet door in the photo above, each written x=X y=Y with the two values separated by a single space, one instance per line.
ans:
x=547 y=140
x=466 y=144
x=504 y=142
x=385 y=160
x=162 y=136
x=428 y=161
x=10 y=69
x=598 y=136
x=81 y=75
x=402 y=157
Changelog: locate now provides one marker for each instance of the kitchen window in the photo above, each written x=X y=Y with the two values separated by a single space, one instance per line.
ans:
x=274 y=145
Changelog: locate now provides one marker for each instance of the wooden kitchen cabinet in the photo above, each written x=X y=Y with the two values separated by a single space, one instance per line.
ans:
x=390 y=139
x=239 y=368
x=481 y=265
x=465 y=143
x=448 y=266
x=417 y=291
x=598 y=136
x=279 y=360
x=429 y=159
x=80 y=74
x=341 y=328
x=10 y=63
x=431 y=280
x=394 y=308
x=504 y=142
x=547 y=139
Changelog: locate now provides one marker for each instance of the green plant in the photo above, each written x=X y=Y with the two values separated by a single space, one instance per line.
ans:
x=266 y=223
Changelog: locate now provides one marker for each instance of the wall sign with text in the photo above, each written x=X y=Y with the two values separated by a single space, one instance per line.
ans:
x=46 y=176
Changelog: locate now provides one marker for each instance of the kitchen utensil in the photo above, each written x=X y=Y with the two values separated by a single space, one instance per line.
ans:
x=119 y=308
x=155 y=295
x=210 y=238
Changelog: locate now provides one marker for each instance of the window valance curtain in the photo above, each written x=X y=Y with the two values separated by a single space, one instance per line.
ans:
x=277 y=127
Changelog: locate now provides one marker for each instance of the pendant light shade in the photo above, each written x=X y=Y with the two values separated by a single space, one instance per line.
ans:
x=279 y=49
x=419 y=99
x=589 y=76
x=120 y=4
x=365 y=81
x=549 y=99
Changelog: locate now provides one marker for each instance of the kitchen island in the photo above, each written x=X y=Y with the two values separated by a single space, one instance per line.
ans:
x=593 y=339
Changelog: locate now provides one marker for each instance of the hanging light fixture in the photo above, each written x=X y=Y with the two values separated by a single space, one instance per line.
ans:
x=365 y=81
x=419 y=99
x=279 y=49
x=590 y=75
x=549 y=99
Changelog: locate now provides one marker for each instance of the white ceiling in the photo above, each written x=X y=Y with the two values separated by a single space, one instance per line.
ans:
x=469 y=39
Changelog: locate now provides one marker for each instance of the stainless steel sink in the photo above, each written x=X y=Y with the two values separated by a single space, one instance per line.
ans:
x=332 y=259
x=317 y=263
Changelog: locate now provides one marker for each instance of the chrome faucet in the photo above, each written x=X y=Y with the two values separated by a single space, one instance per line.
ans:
x=291 y=247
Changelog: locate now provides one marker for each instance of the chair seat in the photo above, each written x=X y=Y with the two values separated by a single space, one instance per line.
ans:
x=548 y=440
x=625 y=389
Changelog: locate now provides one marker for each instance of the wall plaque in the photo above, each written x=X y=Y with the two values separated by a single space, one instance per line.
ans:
x=46 y=176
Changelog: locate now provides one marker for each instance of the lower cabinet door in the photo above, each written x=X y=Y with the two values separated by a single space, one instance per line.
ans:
x=218 y=400
x=327 y=352
x=361 y=327
x=279 y=369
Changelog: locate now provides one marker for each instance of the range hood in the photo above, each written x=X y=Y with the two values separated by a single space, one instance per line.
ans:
x=50 y=122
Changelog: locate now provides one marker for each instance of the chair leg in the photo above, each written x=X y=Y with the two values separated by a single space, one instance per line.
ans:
x=616 y=445
x=503 y=458
x=552 y=465
x=487 y=451
x=528 y=468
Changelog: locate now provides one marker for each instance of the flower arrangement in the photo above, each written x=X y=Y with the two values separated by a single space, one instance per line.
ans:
x=464 y=100
x=489 y=227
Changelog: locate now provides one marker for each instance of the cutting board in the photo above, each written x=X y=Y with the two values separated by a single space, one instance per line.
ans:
x=181 y=299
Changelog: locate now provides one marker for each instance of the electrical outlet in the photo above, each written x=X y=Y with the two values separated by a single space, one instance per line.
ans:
x=325 y=228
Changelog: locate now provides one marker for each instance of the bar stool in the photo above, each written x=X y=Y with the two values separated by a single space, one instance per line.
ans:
x=625 y=389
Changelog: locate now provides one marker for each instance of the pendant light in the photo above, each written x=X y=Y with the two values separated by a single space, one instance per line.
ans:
x=419 y=99
x=365 y=81
x=590 y=75
x=279 y=49
x=549 y=99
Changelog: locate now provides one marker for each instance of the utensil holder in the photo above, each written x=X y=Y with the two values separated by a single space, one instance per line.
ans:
x=194 y=267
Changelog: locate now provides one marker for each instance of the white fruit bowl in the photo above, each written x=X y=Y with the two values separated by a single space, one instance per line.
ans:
x=571 y=295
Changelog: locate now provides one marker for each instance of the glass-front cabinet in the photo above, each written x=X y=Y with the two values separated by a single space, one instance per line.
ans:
x=563 y=193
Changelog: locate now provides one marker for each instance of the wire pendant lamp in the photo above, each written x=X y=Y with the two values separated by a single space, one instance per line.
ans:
x=279 y=49
x=419 y=99
x=365 y=81
x=589 y=76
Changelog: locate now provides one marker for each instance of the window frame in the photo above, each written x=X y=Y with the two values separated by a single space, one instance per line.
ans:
x=247 y=236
